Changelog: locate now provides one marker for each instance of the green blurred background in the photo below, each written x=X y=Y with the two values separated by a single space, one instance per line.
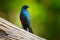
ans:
x=45 y=15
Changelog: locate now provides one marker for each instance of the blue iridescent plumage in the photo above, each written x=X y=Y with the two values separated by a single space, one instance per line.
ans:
x=25 y=18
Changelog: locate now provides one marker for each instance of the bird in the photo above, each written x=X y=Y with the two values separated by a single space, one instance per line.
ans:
x=25 y=19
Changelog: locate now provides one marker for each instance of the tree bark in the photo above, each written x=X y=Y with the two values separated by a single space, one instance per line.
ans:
x=9 y=31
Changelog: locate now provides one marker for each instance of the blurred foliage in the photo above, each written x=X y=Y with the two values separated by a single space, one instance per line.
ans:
x=45 y=15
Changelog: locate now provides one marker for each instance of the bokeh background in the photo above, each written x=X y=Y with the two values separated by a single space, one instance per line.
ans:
x=45 y=15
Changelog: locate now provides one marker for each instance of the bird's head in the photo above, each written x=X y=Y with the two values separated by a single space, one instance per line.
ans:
x=25 y=7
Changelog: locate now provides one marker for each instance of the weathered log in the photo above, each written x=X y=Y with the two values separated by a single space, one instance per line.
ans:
x=9 y=31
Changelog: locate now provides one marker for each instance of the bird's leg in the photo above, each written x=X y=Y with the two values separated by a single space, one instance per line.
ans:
x=25 y=28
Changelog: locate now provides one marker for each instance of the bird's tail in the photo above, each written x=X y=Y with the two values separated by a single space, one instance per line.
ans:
x=30 y=29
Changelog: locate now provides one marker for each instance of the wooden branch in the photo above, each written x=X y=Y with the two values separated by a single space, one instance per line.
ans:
x=9 y=31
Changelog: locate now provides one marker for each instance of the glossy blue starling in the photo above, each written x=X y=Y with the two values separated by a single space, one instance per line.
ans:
x=25 y=18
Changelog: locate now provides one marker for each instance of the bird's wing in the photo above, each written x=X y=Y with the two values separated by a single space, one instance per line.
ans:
x=25 y=20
